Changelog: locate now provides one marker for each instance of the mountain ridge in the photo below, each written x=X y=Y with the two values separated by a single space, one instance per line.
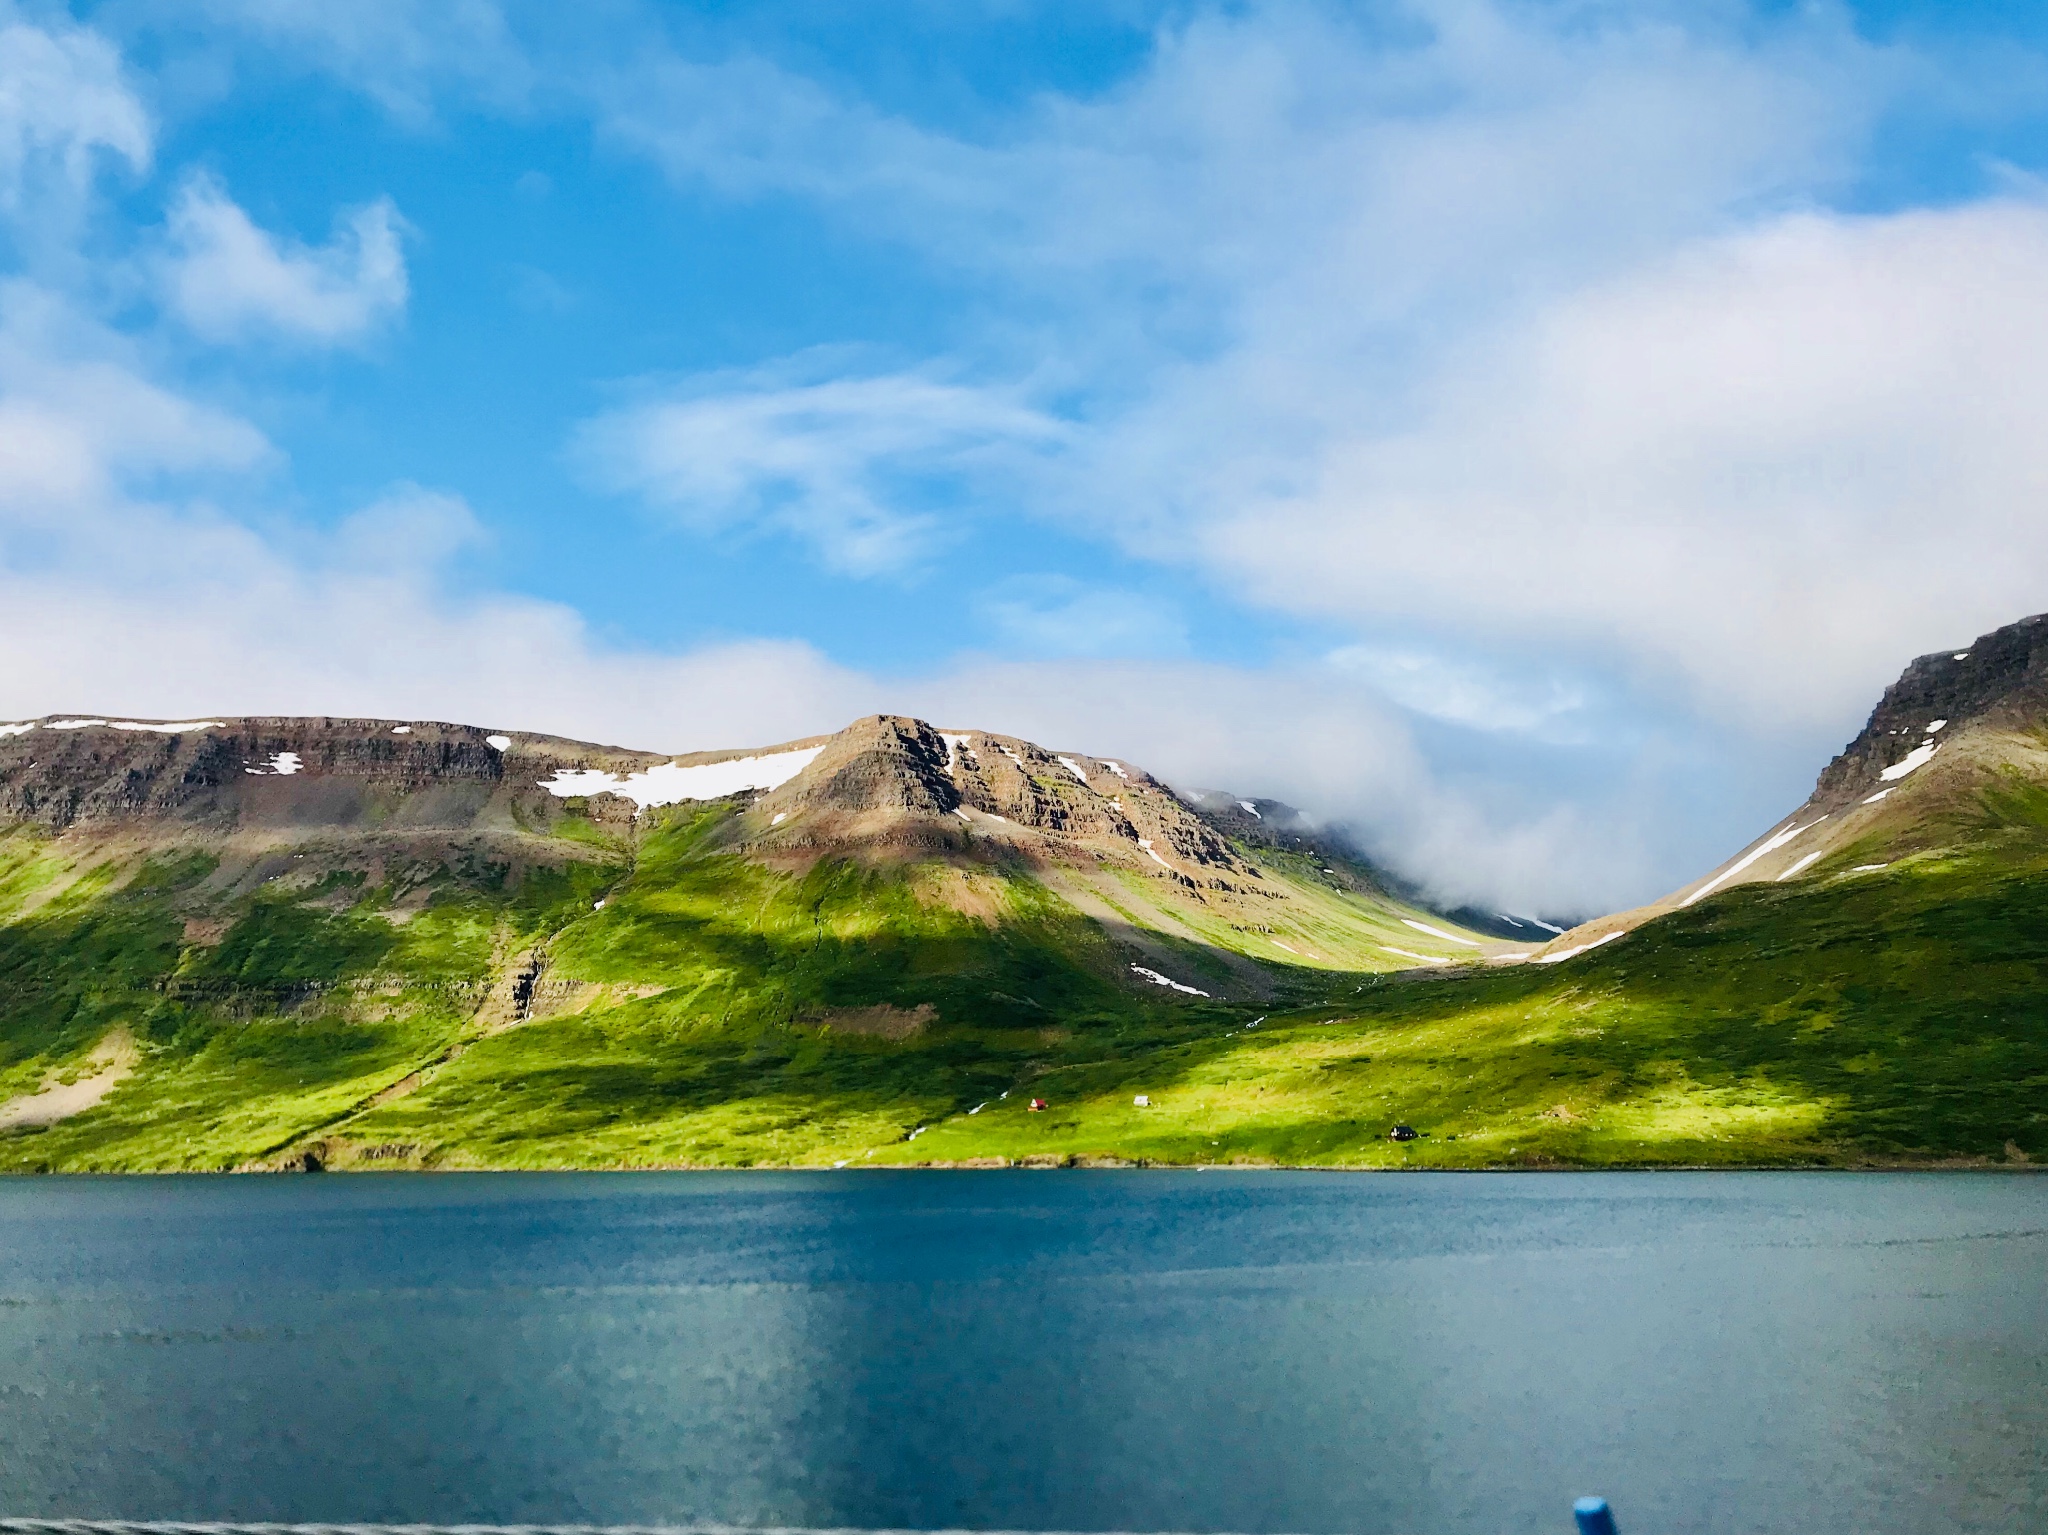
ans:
x=273 y=943
x=886 y=787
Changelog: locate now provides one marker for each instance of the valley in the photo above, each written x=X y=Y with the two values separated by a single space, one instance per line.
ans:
x=351 y=944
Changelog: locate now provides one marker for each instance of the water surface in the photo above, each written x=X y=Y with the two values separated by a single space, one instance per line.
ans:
x=1142 y=1351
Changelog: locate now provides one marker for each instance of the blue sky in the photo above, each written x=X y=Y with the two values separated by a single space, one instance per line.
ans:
x=1532 y=433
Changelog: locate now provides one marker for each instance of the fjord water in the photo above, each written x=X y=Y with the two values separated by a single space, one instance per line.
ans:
x=1081 y=1351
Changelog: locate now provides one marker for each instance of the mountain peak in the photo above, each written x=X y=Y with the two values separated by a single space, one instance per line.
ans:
x=1999 y=681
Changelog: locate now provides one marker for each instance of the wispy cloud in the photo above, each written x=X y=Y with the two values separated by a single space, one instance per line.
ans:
x=866 y=470
x=404 y=54
x=1054 y=615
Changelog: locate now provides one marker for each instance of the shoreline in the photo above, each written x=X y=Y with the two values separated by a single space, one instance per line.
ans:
x=1071 y=1165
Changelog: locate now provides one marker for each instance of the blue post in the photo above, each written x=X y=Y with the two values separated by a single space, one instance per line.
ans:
x=1594 y=1516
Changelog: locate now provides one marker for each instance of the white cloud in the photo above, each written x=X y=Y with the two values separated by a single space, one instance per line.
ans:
x=63 y=100
x=852 y=466
x=1772 y=465
x=222 y=616
x=227 y=278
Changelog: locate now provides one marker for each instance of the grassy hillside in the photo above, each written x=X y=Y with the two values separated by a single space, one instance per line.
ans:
x=1896 y=1016
x=716 y=1011
x=710 y=1009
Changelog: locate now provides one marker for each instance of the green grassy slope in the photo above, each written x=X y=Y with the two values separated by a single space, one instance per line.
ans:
x=715 y=1011
x=1898 y=1016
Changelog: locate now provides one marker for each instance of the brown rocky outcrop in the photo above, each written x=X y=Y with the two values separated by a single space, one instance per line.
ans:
x=884 y=762
x=426 y=792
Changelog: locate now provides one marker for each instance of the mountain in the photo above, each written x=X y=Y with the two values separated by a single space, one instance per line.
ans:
x=1275 y=827
x=277 y=943
x=1954 y=760
x=270 y=939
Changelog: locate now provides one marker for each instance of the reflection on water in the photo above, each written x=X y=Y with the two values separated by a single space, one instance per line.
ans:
x=1193 y=1351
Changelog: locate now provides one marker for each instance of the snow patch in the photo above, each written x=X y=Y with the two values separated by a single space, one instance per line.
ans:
x=1880 y=794
x=503 y=743
x=401 y=730
x=955 y=745
x=666 y=783
x=1869 y=868
x=282 y=765
x=1010 y=754
x=1290 y=948
x=1423 y=959
x=778 y=818
x=1555 y=959
x=1936 y=725
x=72 y=724
x=1075 y=768
x=16 y=730
x=1435 y=932
x=1809 y=858
x=963 y=815
x=176 y=727
x=1160 y=980
x=1117 y=768
x=1250 y=809
x=1509 y=959
x=1916 y=758
x=1146 y=844
x=1960 y=655
x=1726 y=874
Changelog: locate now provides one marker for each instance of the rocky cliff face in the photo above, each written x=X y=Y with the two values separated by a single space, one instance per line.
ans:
x=86 y=771
x=882 y=763
x=890 y=780
x=884 y=779
x=2000 y=682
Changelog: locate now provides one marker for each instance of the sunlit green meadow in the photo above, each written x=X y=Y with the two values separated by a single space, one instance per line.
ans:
x=713 y=1012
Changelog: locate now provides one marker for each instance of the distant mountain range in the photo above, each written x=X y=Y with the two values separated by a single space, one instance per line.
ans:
x=287 y=942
